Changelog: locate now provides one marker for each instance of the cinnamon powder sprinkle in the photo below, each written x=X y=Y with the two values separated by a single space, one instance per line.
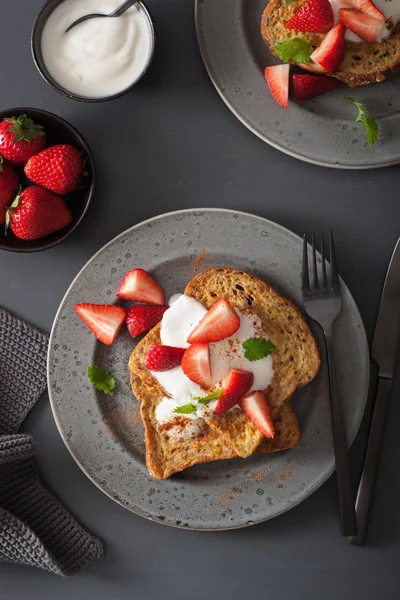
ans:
x=227 y=498
x=286 y=473
x=200 y=260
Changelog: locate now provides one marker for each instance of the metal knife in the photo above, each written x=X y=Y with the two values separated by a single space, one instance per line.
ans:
x=384 y=351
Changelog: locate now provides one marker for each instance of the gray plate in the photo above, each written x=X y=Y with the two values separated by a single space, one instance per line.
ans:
x=105 y=435
x=321 y=131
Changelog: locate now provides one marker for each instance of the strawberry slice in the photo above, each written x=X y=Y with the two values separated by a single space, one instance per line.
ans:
x=277 y=78
x=366 y=27
x=104 y=320
x=314 y=15
x=330 y=53
x=366 y=6
x=196 y=364
x=139 y=286
x=237 y=384
x=220 y=322
x=256 y=406
x=163 y=358
x=142 y=317
x=309 y=86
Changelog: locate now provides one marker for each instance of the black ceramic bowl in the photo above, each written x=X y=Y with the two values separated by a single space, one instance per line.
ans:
x=44 y=14
x=58 y=131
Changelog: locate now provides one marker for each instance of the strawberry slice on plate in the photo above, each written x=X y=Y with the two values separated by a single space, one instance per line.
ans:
x=309 y=86
x=365 y=6
x=196 y=364
x=139 y=286
x=104 y=320
x=277 y=78
x=330 y=52
x=362 y=24
x=237 y=384
x=220 y=322
x=163 y=358
x=143 y=317
x=256 y=406
x=314 y=15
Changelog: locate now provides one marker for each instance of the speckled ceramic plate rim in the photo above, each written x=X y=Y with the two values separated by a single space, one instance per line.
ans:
x=242 y=117
x=303 y=496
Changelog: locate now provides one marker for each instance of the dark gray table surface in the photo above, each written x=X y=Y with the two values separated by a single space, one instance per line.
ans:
x=172 y=144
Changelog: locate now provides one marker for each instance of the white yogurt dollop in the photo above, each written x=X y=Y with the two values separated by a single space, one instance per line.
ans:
x=390 y=8
x=177 y=323
x=100 y=57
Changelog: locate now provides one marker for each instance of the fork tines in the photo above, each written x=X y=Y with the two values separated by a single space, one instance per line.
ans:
x=328 y=281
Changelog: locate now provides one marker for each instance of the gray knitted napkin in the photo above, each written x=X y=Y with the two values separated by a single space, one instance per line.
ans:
x=35 y=529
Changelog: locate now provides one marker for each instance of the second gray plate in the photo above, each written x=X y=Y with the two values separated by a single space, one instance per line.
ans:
x=105 y=435
x=323 y=130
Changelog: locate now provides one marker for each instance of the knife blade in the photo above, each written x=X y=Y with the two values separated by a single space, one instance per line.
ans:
x=384 y=352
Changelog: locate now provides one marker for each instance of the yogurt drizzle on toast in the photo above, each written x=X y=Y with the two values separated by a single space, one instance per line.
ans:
x=177 y=323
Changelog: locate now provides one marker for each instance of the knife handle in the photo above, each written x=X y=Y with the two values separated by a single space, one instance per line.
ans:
x=371 y=463
x=348 y=519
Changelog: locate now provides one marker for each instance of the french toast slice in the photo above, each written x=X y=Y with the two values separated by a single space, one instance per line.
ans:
x=166 y=455
x=296 y=361
x=363 y=64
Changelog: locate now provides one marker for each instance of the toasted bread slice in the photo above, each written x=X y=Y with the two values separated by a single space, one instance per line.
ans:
x=363 y=63
x=166 y=455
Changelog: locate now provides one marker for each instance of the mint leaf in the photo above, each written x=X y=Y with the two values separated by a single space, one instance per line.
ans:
x=257 y=348
x=371 y=129
x=102 y=379
x=297 y=50
x=371 y=126
x=186 y=409
x=206 y=399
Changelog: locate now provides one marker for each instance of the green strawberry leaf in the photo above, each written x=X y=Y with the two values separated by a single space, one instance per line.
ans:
x=102 y=379
x=24 y=128
x=15 y=204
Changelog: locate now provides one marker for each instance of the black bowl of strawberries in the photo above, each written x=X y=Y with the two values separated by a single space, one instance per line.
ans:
x=47 y=179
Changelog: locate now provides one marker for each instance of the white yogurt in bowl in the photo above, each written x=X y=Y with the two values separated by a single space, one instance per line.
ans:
x=100 y=58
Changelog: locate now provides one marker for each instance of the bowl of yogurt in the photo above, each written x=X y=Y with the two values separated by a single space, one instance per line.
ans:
x=97 y=60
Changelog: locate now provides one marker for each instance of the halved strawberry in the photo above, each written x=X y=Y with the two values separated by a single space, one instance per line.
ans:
x=314 y=15
x=163 y=358
x=366 y=27
x=139 y=286
x=104 y=320
x=220 y=322
x=309 y=86
x=366 y=6
x=142 y=317
x=330 y=53
x=256 y=406
x=277 y=78
x=237 y=384
x=196 y=364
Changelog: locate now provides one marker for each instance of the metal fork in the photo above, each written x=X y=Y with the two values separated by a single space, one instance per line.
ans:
x=323 y=303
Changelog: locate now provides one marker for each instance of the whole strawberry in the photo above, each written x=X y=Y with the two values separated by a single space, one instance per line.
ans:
x=8 y=188
x=36 y=212
x=20 y=138
x=57 y=168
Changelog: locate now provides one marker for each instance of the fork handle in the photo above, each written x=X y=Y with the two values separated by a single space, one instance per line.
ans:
x=348 y=520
